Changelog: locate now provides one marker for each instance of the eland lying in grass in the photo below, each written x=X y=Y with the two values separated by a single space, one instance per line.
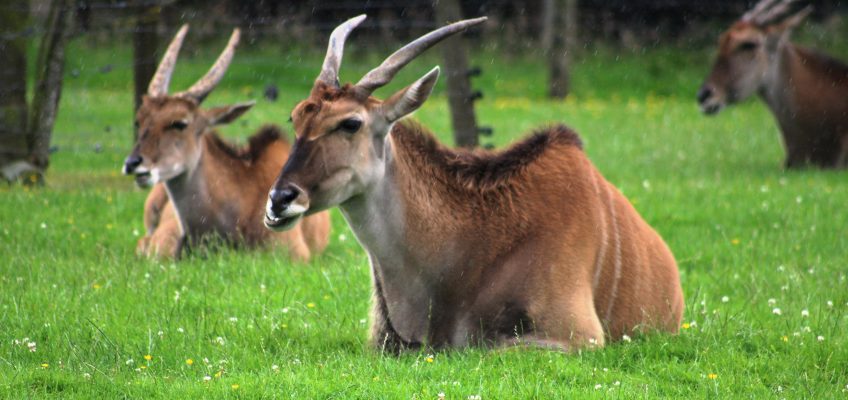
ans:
x=209 y=188
x=529 y=245
x=806 y=91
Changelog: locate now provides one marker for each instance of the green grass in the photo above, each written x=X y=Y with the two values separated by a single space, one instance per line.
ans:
x=738 y=224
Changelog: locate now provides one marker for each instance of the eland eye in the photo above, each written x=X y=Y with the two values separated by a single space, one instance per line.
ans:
x=178 y=125
x=350 y=125
x=748 y=46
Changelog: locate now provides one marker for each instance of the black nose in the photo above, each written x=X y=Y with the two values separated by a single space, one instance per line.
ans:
x=704 y=93
x=281 y=198
x=131 y=163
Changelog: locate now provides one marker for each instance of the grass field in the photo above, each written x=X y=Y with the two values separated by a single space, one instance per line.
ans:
x=763 y=254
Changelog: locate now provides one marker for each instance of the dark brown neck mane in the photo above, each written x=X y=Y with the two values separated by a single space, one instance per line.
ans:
x=250 y=153
x=475 y=171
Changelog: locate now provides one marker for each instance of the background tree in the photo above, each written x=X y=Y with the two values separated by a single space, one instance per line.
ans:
x=25 y=130
x=560 y=35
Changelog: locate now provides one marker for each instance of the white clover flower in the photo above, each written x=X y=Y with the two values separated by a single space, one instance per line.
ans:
x=129 y=362
x=86 y=375
x=776 y=311
x=285 y=310
x=598 y=386
x=220 y=340
x=820 y=338
x=362 y=321
x=441 y=395
x=617 y=383
x=772 y=302
x=725 y=299
x=805 y=313
x=275 y=368
x=207 y=378
x=180 y=330
x=830 y=304
x=626 y=338
x=31 y=346
x=160 y=333
x=233 y=319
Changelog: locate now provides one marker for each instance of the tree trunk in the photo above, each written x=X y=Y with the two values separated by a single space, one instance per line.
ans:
x=455 y=53
x=562 y=44
x=145 y=42
x=48 y=84
x=14 y=18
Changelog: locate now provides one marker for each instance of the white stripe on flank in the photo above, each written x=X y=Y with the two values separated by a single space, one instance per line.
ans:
x=602 y=250
x=617 y=255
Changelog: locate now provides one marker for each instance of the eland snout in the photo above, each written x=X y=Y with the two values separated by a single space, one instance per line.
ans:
x=286 y=205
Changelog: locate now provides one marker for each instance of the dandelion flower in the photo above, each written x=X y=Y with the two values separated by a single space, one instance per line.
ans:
x=785 y=338
x=148 y=357
x=235 y=386
x=712 y=376
x=685 y=325
x=310 y=305
x=429 y=358
x=189 y=362
x=45 y=365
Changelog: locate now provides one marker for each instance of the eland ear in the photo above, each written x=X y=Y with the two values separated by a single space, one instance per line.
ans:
x=227 y=114
x=411 y=97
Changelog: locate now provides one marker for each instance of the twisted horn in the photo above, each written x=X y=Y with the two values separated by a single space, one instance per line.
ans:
x=383 y=74
x=204 y=86
x=758 y=9
x=774 y=13
x=330 y=70
x=159 y=83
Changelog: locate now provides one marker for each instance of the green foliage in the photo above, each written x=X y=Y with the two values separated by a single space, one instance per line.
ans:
x=739 y=226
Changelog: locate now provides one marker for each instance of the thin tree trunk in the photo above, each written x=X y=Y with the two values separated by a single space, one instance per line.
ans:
x=562 y=44
x=455 y=53
x=48 y=85
x=14 y=17
x=145 y=42
x=547 y=19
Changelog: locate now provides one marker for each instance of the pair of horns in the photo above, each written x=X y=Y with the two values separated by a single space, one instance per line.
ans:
x=767 y=12
x=162 y=78
x=384 y=73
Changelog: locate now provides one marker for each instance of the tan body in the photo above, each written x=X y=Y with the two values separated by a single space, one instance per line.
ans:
x=224 y=198
x=546 y=251
x=807 y=92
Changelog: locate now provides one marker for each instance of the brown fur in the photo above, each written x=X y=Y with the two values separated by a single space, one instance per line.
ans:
x=528 y=258
x=805 y=90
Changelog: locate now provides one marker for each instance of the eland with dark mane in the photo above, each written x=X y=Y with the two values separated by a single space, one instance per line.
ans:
x=530 y=245
x=206 y=188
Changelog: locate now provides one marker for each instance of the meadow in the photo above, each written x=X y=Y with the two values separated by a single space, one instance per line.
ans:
x=762 y=251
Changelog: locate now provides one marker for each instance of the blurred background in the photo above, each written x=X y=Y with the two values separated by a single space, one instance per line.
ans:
x=541 y=49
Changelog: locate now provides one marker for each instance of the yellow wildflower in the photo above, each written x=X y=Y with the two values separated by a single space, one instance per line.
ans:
x=712 y=376
x=148 y=357
x=189 y=361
